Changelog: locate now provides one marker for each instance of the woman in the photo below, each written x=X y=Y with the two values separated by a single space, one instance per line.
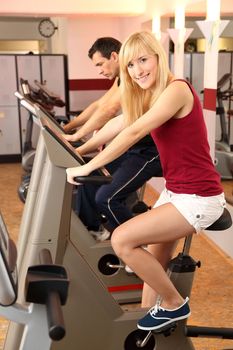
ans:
x=168 y=108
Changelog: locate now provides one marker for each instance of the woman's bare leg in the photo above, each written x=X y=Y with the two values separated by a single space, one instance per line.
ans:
x=159 y=225
x=163 y=252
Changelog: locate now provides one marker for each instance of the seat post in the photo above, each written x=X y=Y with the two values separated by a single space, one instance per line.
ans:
x=187 y=244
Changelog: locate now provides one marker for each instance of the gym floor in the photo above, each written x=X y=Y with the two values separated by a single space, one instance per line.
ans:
x=212 y=294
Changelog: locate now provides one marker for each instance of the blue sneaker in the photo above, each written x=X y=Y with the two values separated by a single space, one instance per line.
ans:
x=158 y=317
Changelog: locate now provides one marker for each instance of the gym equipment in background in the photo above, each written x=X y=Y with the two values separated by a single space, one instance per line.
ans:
x=223 y=148
x=48 y=101
x=50 y=67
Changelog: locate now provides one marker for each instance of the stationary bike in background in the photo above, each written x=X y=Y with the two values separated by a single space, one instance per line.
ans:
x=52 y=100
x=48 y=101
x=223 y=147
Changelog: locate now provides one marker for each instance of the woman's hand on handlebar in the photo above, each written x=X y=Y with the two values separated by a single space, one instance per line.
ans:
x=77 y=171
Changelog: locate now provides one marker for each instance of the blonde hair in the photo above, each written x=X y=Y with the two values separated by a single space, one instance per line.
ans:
x=135 y=100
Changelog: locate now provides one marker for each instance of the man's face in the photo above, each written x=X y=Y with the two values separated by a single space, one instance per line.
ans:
x=109 y=68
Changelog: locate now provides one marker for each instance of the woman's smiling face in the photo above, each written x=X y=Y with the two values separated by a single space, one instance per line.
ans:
x=143 y=70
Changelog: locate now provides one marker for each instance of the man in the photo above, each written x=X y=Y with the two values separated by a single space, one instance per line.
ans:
x=104 y=55
x=130 y=171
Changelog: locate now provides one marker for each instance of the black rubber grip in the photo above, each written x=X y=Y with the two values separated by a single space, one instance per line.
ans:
x=93 y=179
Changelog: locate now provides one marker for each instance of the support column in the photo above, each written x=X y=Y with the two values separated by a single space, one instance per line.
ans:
x=161 y=36
x=179 y=36
x=211 y=29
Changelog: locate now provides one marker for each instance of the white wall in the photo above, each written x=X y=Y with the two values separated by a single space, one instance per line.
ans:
x=59 y=39
x=82 y=33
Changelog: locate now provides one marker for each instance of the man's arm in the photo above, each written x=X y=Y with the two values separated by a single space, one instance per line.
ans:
x=81 y=118
x=103 y=136
x=108 y=107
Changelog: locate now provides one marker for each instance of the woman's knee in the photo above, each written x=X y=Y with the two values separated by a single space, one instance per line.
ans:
x=119 y=241
x=115 y=239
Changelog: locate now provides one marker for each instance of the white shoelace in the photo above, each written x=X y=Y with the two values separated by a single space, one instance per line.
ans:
x=153 y=311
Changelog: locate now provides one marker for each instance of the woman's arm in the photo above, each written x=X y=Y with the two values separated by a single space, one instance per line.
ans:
x=180 y=99
x=104 y=135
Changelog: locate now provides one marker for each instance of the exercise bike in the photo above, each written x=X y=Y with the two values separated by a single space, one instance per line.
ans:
x=48 y=101
x=49 y=181
x=46 y=289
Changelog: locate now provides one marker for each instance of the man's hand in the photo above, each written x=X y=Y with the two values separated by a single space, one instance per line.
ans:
x=70 y=138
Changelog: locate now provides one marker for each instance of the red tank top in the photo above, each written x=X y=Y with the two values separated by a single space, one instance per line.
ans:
x=185 y=154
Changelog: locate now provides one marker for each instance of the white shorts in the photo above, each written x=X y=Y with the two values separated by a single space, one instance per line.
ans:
x=200 y=212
